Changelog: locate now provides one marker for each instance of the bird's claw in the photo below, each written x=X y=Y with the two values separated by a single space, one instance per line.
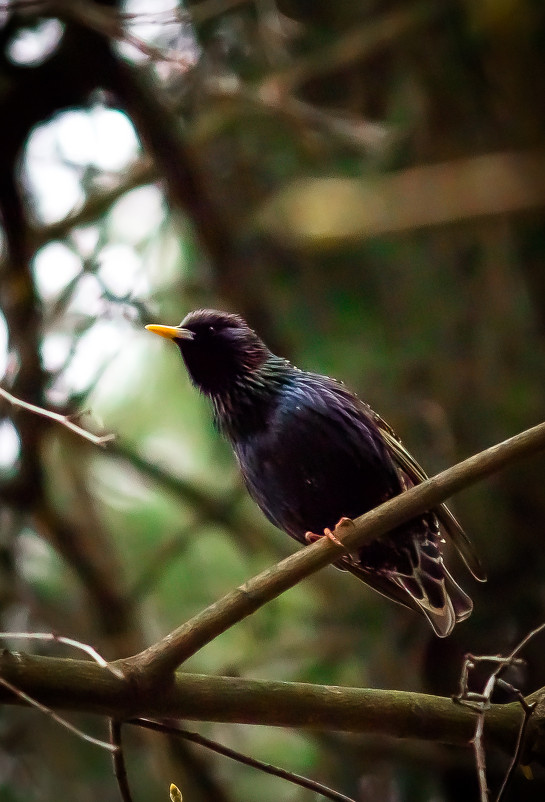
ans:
x=331 y=536
x=312 y=537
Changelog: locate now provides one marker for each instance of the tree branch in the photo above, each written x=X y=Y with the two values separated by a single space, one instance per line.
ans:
x=164 y=656
x=96 y=204
x=64 y=420
x=118 y=758
x=267 y=768
x=80 y=685
x=26 y=699
x=85 y=686
x=464 y=189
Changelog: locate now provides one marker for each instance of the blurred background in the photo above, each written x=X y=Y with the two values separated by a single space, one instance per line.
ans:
x=364 y=183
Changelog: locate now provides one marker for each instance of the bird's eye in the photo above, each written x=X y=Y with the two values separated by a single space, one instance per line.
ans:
x=211 y=330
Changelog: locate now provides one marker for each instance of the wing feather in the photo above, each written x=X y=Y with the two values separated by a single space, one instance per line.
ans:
x=416 y=474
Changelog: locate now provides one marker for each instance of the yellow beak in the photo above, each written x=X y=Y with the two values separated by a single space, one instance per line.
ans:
x=171 y=332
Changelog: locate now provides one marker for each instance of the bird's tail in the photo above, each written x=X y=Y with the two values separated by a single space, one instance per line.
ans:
x=433 y=589
x=413 y=573
x=442 y=600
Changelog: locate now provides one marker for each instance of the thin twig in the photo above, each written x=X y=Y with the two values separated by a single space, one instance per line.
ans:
x=206 y=10
x=480 y=703
x=97 y=203
x=167 y=654
x=202 y=12
x=480 y=759
x=118 y=758
x=519 y=748
x=48 y=712
x=196 y=738
x=352 y=131
x=109 y=24
x=64 y=420
x=76 y=644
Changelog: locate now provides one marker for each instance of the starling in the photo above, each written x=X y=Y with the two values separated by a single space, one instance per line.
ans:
x=311 y=453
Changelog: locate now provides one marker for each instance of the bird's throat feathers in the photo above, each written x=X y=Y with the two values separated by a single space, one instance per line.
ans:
x=247 y=404
x=229 y=363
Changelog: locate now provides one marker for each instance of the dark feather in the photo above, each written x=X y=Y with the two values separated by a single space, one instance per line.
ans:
x=416 y=474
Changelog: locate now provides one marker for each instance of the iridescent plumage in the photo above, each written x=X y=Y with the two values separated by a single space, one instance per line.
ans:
x=311 y=453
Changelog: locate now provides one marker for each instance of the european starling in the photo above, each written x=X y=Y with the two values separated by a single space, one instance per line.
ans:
x=311 y=453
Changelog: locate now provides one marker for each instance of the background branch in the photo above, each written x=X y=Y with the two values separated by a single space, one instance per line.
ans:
x=64 y=420
x=196 y=738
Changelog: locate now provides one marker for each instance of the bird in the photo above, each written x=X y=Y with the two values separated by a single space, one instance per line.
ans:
x=312 y=454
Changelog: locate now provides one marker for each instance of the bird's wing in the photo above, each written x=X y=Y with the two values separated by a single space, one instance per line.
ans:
x=404 y=460
x=382 y=584
x=320 y=457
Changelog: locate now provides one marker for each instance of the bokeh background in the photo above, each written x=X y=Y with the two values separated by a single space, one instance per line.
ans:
x=364 y=183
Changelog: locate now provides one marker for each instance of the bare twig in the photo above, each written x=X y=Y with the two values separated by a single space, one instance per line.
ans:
x=97 y=203
x=76 y=644
x=48 y=712
x=207 y=9
x=352 y=131
x=196 y=738
x=118 y=758
x=528 y=709
x=109 y=23
x=165 y=656
x=480 y=703
x=64 y=420
x=202 y=12
x=217 y=509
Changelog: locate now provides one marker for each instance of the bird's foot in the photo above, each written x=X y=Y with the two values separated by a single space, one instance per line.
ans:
x=312 y=537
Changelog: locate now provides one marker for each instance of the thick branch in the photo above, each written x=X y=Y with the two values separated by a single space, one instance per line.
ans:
x=86 y=686
x=164 y=657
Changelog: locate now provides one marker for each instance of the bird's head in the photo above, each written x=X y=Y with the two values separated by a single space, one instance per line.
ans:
x=218 y=348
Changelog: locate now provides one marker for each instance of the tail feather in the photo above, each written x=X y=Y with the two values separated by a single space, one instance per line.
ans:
x=413 y=573
x=442 y=601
